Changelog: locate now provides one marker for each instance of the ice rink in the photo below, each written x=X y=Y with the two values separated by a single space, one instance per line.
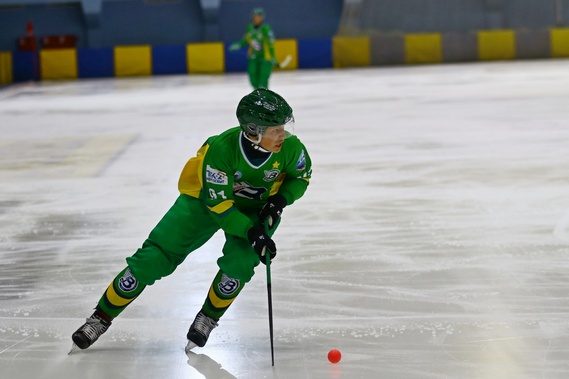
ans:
x=433 y=241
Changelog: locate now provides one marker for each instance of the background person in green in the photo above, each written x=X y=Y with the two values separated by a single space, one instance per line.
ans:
x=260 y=41
x=238 y=180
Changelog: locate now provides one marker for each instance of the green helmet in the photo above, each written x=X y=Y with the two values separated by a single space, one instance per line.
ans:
x=261 y=109
x=259 y=12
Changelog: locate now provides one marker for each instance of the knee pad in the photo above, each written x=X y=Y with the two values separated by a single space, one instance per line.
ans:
x=149 y=264
x=239 y=269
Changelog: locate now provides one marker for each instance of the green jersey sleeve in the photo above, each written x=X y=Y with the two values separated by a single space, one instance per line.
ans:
x=298 y=172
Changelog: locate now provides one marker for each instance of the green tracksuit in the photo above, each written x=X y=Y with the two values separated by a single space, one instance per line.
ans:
x=223 y=187
x=261 y=54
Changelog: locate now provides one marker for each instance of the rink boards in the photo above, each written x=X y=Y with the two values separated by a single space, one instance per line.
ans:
x=375 y=49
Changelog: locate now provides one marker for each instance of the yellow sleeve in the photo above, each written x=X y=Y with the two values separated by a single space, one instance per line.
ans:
x=191 y=182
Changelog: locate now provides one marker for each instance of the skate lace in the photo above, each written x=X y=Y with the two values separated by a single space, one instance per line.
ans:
x=94 y=328
x=204 y=324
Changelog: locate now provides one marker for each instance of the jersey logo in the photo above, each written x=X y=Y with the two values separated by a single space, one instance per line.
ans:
x=215 y=176
x=301 y=163
x=271 y=175
x=244 y=189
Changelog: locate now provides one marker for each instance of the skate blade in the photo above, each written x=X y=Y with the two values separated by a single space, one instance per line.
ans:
x=190 y=346
x=74 y=348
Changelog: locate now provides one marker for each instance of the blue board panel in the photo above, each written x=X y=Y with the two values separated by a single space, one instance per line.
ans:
x=315 y=53
x=169 y=60
x=95 y=63
x=235 y=61
x=26 y=66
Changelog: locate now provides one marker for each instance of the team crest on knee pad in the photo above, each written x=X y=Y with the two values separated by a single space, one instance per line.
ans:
x=128 y=282
x=228 y=285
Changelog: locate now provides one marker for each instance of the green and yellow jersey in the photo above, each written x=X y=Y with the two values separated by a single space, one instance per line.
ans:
x=230 y=181
x=261 y=42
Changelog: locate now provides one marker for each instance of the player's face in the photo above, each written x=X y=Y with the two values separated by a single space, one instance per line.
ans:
x=257 y=19
x=273 y=138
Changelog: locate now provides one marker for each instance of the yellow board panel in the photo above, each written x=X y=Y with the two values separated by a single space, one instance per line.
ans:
x=285 y=48
x=350 y=51
x=58 y=64
x=423 y=48
x=133 y=60
x=559 y=42
x=496 y=45
x=205 y=58
x=6 y=68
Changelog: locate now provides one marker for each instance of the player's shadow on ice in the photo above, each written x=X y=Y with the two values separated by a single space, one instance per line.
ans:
x=208 y=367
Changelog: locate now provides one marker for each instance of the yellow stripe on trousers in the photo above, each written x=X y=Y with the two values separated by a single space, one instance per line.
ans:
x=217 y=302
x=115 y=299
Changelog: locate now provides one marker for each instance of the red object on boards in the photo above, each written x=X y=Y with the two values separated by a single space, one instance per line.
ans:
x=27 y=44
x=29 y=29
x=59 y=42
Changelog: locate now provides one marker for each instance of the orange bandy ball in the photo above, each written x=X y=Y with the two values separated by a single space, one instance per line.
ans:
x=334 y=356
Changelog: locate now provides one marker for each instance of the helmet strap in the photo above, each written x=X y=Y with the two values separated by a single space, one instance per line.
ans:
x=256 y=142
x=258 y=147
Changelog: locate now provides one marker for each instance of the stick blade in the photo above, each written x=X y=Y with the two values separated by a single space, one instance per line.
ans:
x=285 y=62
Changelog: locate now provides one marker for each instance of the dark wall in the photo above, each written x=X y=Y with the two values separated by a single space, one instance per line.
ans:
x=173 y=22
x=532 y=14
x=288 y=18
x=424 y=16
x=418 y=16
x=132 y=22
x=60 y=19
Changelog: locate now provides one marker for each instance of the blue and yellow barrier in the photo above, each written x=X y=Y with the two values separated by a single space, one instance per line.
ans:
x=205 y=58
x=496 y=45
x=423 y=48
x=133 y=60
x=350 y=51
x=336 y=52
x=58 y=64
x=560 y=42
x=6 y=72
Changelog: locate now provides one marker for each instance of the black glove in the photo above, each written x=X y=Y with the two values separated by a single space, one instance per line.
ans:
x=273 y=210
x=261 y=242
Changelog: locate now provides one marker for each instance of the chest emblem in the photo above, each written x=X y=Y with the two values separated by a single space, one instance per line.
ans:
x=271 y=175
x=244 y=189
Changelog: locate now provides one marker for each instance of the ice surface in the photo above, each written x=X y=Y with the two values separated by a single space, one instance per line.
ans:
x=433 y=241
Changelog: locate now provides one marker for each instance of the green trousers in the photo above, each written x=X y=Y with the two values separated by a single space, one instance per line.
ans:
x=183 y=229
x=259 y=71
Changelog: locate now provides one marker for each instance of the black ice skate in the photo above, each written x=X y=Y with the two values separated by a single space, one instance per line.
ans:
x=90 y=332
x=200 y=330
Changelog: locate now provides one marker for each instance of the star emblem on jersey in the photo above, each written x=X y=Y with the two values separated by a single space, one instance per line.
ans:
x=276 y=165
